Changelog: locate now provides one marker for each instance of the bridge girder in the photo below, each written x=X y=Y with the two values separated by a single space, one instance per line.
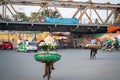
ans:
x=52 y=27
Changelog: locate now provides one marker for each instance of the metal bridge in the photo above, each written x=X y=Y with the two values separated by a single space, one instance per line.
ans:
x=82 y=8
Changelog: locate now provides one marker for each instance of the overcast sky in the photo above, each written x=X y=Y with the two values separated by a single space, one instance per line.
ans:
x=68 y=14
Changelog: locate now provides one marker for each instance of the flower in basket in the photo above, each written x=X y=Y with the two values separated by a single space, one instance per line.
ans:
x=52 y=46
x=48 y=46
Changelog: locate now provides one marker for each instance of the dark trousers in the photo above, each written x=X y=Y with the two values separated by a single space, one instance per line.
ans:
x=93 y=53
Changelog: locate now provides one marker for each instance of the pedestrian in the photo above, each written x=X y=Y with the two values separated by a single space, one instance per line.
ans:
x=116 y=43
x=93 y=51
x=93 y=48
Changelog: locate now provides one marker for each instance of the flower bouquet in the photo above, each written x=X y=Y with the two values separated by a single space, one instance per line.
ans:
x=44 y=46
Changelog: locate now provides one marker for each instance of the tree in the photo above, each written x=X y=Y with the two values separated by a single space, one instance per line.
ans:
x=49 y=13
x=36 y=16
x=23 y=16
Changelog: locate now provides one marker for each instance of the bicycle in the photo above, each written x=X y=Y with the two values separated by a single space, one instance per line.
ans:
x=48 y=60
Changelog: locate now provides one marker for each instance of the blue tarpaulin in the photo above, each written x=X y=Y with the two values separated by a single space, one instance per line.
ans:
x=62 y=20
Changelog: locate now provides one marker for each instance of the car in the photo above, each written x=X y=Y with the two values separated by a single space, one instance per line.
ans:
x=6 y=45
x=31 y=46
x=27 y=46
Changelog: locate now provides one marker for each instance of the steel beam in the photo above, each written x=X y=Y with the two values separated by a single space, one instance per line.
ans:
x=52 y=27
x=68 y=4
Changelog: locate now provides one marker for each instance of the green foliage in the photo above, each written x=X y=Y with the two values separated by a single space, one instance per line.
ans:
x=23 y=16
x=36 y=16
x=49 y=13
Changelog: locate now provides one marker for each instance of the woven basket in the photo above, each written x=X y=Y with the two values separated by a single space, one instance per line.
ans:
x=91 y=46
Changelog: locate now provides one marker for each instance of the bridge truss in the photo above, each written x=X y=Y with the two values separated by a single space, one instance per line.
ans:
x=82 y=8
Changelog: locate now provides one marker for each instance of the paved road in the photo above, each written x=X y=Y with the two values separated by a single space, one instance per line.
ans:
x=74 y=65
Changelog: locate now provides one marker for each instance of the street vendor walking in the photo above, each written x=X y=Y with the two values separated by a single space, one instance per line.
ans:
x=116 y=43
x=93 y=48
x=93 y=51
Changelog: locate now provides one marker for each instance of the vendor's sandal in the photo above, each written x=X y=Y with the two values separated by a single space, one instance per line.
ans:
x=44 y=75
